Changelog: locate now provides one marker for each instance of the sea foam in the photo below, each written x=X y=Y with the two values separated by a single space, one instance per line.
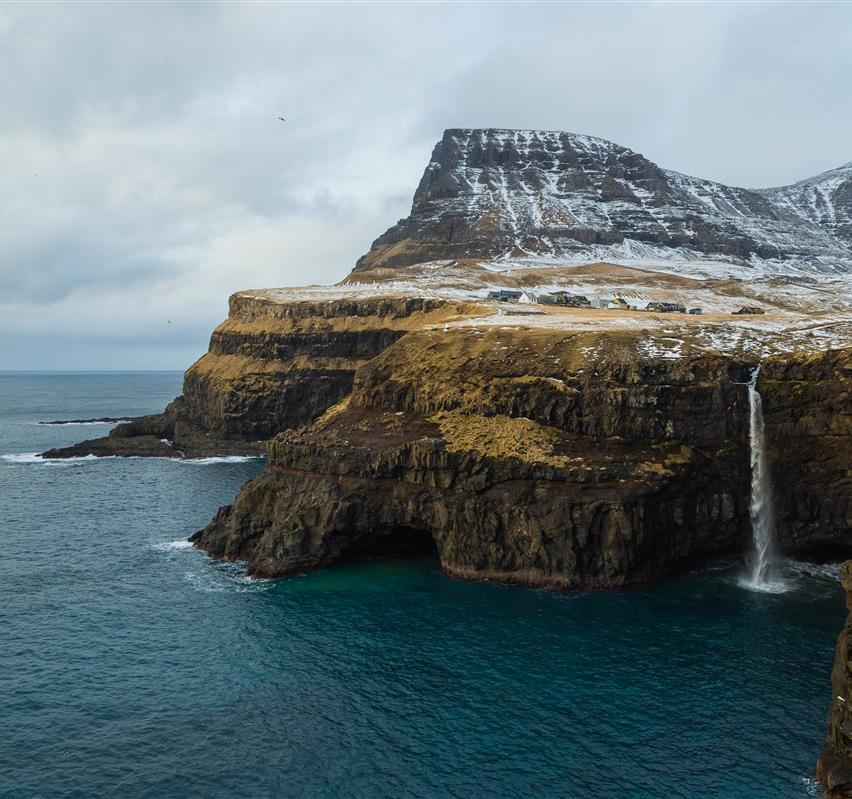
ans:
x=172 y=546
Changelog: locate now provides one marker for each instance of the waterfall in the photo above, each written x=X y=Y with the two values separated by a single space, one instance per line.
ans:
x=760 y=507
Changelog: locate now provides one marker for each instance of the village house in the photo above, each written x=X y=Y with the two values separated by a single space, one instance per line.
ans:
x=618 y=304
x=564 y=298
x=694 y=311
x=666 y=307
x=504 y=295
x=749 y=309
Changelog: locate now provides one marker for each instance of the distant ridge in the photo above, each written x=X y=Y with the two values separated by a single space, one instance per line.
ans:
x=500 y=193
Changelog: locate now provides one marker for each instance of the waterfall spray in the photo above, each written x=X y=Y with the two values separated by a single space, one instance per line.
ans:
x=760 y=507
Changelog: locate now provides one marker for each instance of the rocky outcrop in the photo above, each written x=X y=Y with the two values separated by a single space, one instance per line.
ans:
x=271 y=366
x=538 y=458
x=491 y=193
x=834 y=768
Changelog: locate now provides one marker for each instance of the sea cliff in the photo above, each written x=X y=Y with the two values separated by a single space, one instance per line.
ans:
x=542 y=458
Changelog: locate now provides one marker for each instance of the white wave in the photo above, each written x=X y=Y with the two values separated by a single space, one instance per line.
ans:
x=221 y=459
x=172 y=546
x=23 y=457
x=80 y=424
x=34 y=457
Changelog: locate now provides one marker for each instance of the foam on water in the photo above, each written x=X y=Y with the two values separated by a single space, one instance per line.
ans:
x=81 y=424
x=219 y=459
x=773 y=586
x=792 y=575
x=218 y=578
x=34 y=457
x=172 y=546
x=22 y=457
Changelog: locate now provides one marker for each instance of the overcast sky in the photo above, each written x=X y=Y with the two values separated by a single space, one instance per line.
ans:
x=145 y=175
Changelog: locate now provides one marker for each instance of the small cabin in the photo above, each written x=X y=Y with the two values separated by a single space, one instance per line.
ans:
x=570 y=300
x=529 y=297
x=666 y=307
x=504 y=295
x=694 y=311
x=618 y=304
x=749 y=309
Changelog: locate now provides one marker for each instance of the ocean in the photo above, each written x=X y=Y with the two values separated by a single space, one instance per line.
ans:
x=132 y=665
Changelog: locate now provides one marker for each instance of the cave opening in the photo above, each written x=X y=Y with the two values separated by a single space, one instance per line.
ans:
x=400 y=542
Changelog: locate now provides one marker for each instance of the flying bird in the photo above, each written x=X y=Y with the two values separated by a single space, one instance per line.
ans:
x=282 y=119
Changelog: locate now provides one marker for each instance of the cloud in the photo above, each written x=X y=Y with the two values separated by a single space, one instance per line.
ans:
x=146 y=176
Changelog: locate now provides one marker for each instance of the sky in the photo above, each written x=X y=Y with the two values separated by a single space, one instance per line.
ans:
x=145 y=176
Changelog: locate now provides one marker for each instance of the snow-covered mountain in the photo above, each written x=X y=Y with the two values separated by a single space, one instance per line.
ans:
x=825 y=200
x=494 y=193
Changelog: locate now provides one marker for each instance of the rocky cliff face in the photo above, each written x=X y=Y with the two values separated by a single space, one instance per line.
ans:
x=834 y=769
x=492 y=193
x=537 y=457
x=544 y=458
x=807 y=402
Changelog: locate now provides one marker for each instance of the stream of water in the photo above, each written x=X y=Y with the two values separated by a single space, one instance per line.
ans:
x=763 y=574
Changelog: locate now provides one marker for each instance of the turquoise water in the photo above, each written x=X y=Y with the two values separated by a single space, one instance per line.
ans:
x=133 y=666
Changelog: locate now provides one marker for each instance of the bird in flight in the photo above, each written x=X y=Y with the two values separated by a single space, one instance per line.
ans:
x=282 y=119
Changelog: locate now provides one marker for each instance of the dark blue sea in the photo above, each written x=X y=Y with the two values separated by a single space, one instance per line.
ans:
x=134 y=666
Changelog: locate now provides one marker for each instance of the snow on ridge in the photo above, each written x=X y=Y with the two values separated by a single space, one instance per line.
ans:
x=553 y=190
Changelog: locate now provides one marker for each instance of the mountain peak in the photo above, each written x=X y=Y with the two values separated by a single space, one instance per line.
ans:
x=498 y=192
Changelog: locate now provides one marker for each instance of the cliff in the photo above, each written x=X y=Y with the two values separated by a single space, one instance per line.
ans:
x=807 y=403
x=540 y=457
x=834 y=768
